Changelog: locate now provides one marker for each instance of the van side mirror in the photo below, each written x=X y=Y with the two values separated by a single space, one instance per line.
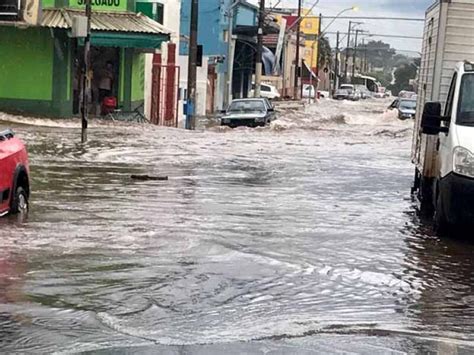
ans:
x=431 y=119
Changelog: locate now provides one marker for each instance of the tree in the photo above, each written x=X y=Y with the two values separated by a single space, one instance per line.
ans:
x=403 y=74
x=324 y=52
x=379 y=54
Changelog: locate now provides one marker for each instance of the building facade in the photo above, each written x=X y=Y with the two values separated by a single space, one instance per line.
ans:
x=41 y=64
x=309 y=26
x=227 y=32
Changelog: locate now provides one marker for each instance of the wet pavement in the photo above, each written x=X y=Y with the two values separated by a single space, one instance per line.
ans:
x=300 y=237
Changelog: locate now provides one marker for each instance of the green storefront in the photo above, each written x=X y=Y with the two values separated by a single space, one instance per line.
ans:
x=40 y=66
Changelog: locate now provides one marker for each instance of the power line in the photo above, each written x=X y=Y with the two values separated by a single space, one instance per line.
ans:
x=372 y=18
x=369 y=49
x=392 y=36
x=383 y=35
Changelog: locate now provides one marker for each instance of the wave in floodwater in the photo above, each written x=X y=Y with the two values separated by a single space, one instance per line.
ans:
x=329 y=114
x=291 y=232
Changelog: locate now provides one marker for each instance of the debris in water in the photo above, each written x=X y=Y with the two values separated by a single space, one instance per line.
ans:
x=148 y=177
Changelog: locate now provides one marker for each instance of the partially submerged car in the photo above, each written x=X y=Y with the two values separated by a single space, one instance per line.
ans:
x=14 y=174
x=406 y=108
x=308 y=91
x=364 y=92
x=355 y=95
x=404 y=94
x=341 y=94
x=248 y=112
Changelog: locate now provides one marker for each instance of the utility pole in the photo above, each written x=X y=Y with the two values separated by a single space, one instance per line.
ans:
x=258 y=59
x=192 y=65
x=297 y=59
x=354 y=56
x=318 y=55
x=85 y=79
x=336 y=64
x=363 y=58
x=347 y=50
x=366 y=61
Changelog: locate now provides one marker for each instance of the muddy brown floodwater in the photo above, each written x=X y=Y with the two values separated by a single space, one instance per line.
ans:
x=301 y=237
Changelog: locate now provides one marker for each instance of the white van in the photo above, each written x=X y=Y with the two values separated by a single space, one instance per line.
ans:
x=453 y=186
x=348 y=87
x=443 y=139
x=266 y=90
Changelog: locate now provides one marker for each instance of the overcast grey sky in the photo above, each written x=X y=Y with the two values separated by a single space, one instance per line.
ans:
x=385 y=8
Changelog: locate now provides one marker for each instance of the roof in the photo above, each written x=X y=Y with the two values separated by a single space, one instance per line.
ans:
x=104 y=21
x=249 y=5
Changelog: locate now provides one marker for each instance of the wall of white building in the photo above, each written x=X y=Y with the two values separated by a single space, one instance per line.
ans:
x=171 y=21
x=201 y=82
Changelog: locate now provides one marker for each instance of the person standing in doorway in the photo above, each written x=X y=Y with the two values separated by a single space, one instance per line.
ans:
x=106 y=82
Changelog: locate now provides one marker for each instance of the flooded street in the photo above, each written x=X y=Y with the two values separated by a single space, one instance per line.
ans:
x=300 y=237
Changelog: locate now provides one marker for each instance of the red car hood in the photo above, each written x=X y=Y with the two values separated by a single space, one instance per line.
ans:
x=10 y=147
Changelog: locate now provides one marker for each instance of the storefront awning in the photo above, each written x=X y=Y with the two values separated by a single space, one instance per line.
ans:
x=307 y=73
x=112 y=29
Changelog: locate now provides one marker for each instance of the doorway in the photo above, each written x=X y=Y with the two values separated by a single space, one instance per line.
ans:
x=104 y=76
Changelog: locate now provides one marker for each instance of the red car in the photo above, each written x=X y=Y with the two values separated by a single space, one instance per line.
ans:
x=14 y=175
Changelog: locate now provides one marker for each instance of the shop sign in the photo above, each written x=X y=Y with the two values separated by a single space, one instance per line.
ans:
x=110 y=5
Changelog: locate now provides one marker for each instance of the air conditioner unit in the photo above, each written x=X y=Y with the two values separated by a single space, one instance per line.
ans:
x=10 y=8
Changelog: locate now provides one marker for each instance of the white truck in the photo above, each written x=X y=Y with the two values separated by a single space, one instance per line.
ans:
x=443 y=140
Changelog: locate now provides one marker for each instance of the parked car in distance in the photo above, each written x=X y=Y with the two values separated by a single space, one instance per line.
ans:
x=309 y=91
x=266 y=90
x=251 y=112
x=406 y=94
x=341 y=94
x=323 y=94
x=14 y=175
x=348 y=87
x=406 y=108
x=354 y=95
x=364 y=92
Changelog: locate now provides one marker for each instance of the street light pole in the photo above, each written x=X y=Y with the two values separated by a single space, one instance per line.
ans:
x=347 y=49
x=336 y=63
x=258 y=59
x=297 y=57
x=85 y=80
x=192 y=67
x=354 y=56
x=318 y=54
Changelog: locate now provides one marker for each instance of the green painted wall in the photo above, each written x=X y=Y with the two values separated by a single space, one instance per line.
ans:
x=138 y=77
x=109 y=5
x=62 y=104
x=48 y=3
x=26 y=64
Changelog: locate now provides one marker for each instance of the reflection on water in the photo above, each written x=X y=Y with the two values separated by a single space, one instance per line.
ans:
x=293 y=234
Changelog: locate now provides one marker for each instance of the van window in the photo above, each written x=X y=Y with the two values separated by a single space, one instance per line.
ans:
x=466 y=101
x=449 y=102
x=265 y=88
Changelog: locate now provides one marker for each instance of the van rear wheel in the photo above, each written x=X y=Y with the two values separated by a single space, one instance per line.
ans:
x=20 y=201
